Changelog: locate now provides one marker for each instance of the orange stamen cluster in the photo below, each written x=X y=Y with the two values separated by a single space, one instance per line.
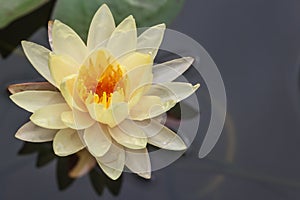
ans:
x=107 y=84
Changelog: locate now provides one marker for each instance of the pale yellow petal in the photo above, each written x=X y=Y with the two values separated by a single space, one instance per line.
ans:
x=112 y=163
x=134 y=60
x=77 y=120
x=84 y=165
x=124 y=38
x=176 y=91
x=101 y=27
x=162 y=137
x=50 y=116
x=124 y=137
x=138 y=161
x=67 y=142
x=131 y=129
x=38 y=57
x=111 y=116
x=149 y=107
x=69 y=92
x=138 y=72
x=170 y=70
x=149 y=41
x=29 y=132
x=97 y=139
x=34 y=100
x=62 y=66
x=112 y=173
x=66 y=42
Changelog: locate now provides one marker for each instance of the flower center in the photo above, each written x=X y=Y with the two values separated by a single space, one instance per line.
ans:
x=107 y=83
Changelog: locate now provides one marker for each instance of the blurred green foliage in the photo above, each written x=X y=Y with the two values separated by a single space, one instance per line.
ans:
x=78 y=14
x=11 y=10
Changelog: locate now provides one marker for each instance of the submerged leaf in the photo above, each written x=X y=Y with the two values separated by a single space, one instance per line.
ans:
x=11 y=10
x=78 y=14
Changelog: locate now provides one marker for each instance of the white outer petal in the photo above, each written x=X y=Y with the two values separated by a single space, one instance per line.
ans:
x=170 y=70
x=67 y=142
x=124 y=38
x=50 y=116
x=112 y=163
x=138 y=161
x=77 y=120
x=97 y=139
x=38 y=57
x=162 y=137
x=150 y=107
x=111 y=116
x=149 y=41
x=34 y=100
x=127 y=140
x=66 y=42
x=176 y=91
x=69 y=92
x=29 y=132
x=101 y=28
x=62 y=66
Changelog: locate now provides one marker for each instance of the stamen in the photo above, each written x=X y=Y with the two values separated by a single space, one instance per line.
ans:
x=106 y=85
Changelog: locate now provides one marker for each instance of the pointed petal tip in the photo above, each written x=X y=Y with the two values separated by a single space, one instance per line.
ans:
x=145 y=175
x=57 y=153
x=103 y=9
x=50 y=22
x=113 y=174
x=32 y=133
x=57 y=22
x=183 y=147
x=114 y=177
x=11 y=96
x=130 y=17
x=17 y=135
x=10 y=90
x=196 y=86
x=25 y=44
x=178 y=146
x=162 y=25
x=189 y=60
x=104 y=6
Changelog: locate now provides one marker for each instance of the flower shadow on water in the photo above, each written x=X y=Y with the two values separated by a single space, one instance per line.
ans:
x=45 y=155
x=98 y=179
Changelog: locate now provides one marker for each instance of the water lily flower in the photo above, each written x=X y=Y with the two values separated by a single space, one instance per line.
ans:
x=106 y=95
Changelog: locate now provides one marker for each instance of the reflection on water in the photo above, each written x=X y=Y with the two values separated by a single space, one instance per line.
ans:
x=99 y=181
x=263 y=140
x=64 y=165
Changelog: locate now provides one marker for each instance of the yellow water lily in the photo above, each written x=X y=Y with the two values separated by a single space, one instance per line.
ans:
x=108 y=95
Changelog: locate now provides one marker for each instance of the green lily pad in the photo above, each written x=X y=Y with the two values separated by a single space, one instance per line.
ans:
x=11 y=10
x=78 y=14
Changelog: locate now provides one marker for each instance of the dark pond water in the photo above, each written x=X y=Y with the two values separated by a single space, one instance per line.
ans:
x=256 y=46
